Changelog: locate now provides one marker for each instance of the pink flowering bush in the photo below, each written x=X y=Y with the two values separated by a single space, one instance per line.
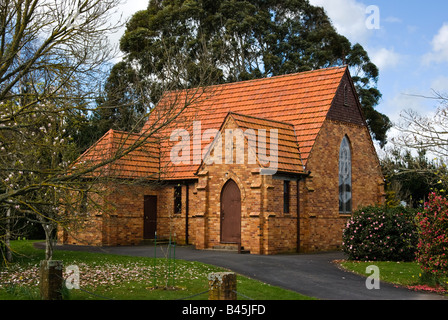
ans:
x=432 y=251
x=381 y=234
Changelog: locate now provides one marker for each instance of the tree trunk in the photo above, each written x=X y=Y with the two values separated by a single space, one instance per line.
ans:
x=8 y=254
x=51 y=280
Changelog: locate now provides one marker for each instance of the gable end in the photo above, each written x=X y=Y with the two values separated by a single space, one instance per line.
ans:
x=346 y=106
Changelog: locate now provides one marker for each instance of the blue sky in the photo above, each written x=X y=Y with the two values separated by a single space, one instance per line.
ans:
x=410 y=47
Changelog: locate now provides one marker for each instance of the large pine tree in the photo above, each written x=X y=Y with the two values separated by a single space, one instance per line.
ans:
x=231 y=41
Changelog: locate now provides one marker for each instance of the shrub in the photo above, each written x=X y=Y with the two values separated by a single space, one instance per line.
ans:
x=433 y=233
x=381 y=234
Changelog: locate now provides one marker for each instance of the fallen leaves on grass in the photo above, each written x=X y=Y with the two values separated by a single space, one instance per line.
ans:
x=108 y=274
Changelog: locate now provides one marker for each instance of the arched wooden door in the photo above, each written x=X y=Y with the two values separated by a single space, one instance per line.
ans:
x=230 y=213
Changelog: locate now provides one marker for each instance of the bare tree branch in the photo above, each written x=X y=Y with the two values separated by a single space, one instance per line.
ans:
x=53 y=56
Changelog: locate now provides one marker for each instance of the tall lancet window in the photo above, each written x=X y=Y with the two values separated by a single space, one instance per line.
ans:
x=345 y=177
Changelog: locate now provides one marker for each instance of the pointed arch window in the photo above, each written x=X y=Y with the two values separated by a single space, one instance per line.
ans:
x=345 y=177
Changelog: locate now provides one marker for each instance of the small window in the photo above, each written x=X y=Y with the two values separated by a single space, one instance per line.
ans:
x=84 y=204
x=178 y=199
x=346 y=95
x=286 y=196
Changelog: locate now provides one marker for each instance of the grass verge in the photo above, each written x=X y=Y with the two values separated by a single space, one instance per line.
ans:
x=406 y=274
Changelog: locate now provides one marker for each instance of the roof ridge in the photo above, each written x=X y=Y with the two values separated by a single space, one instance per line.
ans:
x=259 y=118
x=127 y=132
x=276 y=77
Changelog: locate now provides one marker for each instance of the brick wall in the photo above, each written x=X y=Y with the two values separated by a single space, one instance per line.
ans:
x=320 y=220
x=85 y=227
x=120 y=220
x=82 y=233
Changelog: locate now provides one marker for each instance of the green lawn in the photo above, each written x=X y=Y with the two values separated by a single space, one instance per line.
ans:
x=408 y=274
x=106 y=276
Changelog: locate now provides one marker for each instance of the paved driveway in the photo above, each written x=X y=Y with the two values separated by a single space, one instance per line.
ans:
x=313 y=275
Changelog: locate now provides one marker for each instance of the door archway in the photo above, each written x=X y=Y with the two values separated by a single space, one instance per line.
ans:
x=230 y=213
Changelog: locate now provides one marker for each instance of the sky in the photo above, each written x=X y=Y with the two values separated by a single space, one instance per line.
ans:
x=407 y=40
x=409 y=46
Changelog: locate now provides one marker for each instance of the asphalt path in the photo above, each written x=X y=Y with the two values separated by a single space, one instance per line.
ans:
x=314 y=275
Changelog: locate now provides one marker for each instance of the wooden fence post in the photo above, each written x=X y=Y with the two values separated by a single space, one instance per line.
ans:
x=51 y=280
x=222 y=286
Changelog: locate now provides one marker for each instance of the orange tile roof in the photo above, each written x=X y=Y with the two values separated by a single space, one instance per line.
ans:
x=141 y=163
x=296 y=105
x=289 y=158
x=302 y=100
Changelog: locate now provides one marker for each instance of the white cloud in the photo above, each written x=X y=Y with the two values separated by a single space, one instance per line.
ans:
x=439 y=44
x=392 y=19
x=440 y=85
x=124 y=12
x=384 y=58
x=410 y=99
x=399 y=104
x=348 y=17
x=440 y=41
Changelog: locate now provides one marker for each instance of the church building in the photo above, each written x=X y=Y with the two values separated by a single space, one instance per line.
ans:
x=264 y=166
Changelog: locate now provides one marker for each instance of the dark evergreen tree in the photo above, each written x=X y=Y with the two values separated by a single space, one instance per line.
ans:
x=243 y=40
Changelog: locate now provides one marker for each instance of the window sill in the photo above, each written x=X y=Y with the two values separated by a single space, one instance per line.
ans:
x=345 y=214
